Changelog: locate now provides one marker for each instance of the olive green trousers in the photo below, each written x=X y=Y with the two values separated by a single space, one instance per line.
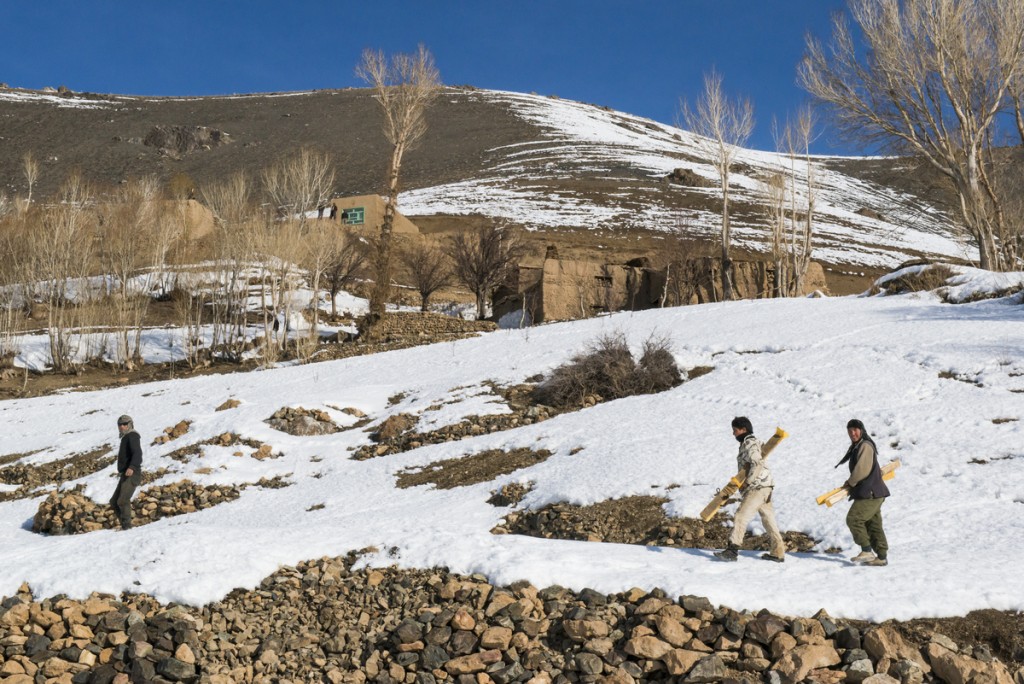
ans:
x=865 y=523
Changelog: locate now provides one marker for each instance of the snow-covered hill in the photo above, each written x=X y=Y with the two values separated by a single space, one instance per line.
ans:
x=596 y=168
x=542 y=162
x=938 y=386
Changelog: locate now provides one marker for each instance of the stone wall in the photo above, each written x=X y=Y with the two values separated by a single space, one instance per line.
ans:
x=419 y=325
x=565 y=289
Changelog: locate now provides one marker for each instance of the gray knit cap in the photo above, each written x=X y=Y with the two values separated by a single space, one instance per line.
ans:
x=125 y=420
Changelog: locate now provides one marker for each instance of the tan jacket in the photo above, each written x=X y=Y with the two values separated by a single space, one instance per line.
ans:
x=862 y=462
x=749 y=459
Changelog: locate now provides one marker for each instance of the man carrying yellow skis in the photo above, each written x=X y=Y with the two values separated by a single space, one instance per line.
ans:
x=757 y=495
x=868 y=491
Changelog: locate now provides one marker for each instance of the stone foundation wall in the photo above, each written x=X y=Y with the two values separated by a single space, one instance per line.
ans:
x=430 y=325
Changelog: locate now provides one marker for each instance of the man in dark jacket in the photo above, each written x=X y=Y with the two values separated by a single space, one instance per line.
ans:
x=868 y=491
x=129 y=471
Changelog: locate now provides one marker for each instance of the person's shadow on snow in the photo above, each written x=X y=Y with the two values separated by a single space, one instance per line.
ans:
x=708 y=554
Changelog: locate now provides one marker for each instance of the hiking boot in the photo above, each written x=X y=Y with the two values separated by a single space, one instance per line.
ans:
x=729 y=553
x=864 y=557
x=876 y=562
x=777 y=559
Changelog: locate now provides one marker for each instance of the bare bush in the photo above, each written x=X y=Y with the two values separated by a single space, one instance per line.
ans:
x=657 y=370
x=345 y=265
x=430 y=269
x=485 y=258
x=63 y=252
x=607 y=370
x=929 y=278
x=300 y=183
x=188 y=309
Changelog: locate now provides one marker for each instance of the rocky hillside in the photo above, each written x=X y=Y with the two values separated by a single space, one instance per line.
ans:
x=615 y=182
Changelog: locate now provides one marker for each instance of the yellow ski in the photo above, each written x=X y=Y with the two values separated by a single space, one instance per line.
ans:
x=830 y=499
x=737 y=480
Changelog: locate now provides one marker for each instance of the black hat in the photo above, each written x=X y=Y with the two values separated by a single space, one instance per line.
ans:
x=743 y=423
x=854 y=423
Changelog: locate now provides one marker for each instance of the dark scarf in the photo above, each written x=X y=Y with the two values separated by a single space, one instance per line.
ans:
x=740 y=438
x=852 y=451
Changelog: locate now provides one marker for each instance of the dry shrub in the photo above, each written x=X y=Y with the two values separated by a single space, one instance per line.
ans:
x=657 y=370
x=607 y=369
x=927 y=279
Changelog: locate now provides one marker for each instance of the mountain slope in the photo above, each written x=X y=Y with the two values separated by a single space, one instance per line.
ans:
x=541 y=162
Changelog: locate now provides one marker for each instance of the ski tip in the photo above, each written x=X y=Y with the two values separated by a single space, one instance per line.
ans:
x=780 y=433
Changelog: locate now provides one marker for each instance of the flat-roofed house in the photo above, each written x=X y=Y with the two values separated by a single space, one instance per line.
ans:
x=366 y=211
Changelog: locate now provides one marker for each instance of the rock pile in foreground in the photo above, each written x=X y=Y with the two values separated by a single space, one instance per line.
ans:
x=72 y=512
x=325 y=622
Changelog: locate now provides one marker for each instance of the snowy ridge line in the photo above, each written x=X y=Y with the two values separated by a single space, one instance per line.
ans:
x=59 y=100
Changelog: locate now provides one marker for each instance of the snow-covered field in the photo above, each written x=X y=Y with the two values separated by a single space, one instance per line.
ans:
x=939 y=386
x=582 y=138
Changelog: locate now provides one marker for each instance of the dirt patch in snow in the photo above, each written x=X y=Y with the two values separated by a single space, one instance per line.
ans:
x=7 y=459
x=635 y=520
x=468 y=470
x=30 y=477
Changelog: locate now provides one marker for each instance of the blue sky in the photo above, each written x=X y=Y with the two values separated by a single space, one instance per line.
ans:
x=635 y=56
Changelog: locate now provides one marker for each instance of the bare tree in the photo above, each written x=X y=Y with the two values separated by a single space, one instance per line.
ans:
x=232 y=204
x=63 y=248
x=321 y=241
x=404 y=87
x=791 y=200
x=429 y=267
x=802 y=236
x=776 y=189
x=129 y=230
x=682 y=269
x=346 y=264
x=933 y=79
x=300 y=183
x=485 y=258
x=724 y=126
x=31 y=169
x=14 y=275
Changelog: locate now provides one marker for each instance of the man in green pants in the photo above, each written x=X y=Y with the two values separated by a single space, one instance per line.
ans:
x=868 y=491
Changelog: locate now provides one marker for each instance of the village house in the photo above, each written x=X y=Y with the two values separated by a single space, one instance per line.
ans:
x=364 y=212
x=555 y=289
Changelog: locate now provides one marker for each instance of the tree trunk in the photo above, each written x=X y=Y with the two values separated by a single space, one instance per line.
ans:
x=382 y=282
x=727 y=276
x=481 y=306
